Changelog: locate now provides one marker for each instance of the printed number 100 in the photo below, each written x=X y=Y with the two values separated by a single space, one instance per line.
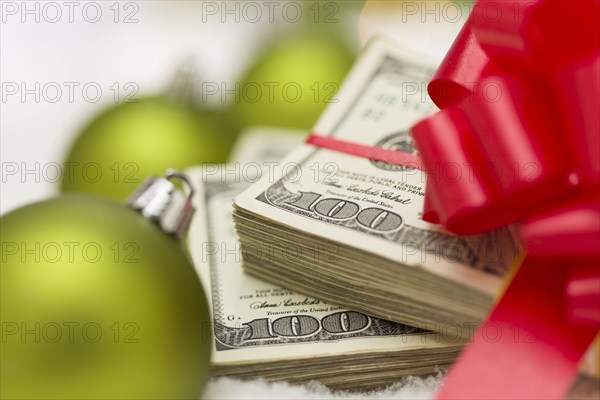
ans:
x=305 y=325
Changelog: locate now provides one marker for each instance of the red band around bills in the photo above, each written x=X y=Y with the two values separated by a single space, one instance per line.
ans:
x=374 y=153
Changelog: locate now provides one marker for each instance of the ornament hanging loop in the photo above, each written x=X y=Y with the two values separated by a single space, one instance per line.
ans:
x=172 y=174
x=160 y=200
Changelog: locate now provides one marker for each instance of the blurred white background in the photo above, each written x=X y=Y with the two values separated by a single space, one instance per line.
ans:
x=146 y=53
x=57 y=45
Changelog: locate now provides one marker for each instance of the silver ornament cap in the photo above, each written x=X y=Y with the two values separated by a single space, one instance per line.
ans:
x=160 y=200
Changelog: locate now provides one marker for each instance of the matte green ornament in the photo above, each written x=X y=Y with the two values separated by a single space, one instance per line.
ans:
x=130 y=141
x=98 y=302
x=293 y=81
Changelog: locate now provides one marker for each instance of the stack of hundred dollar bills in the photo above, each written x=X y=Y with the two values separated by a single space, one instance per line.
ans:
x=333 y=276
x=348 y=230
x=268 y=331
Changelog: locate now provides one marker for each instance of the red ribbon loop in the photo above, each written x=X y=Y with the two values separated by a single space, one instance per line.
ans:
x=520 y=138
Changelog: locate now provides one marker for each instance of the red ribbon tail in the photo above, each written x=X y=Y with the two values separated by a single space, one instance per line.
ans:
x=528 y=348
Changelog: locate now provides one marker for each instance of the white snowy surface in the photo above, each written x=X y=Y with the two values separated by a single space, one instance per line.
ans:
x=406 y=389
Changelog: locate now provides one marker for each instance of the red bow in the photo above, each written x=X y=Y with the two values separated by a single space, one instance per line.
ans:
x=520 y=96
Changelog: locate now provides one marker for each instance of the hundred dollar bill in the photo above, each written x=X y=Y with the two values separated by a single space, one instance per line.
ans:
x=388 y=262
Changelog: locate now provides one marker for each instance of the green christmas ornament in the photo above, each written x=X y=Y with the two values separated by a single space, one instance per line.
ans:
x=293 y=82
x=130 y=141
x=98 y=302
